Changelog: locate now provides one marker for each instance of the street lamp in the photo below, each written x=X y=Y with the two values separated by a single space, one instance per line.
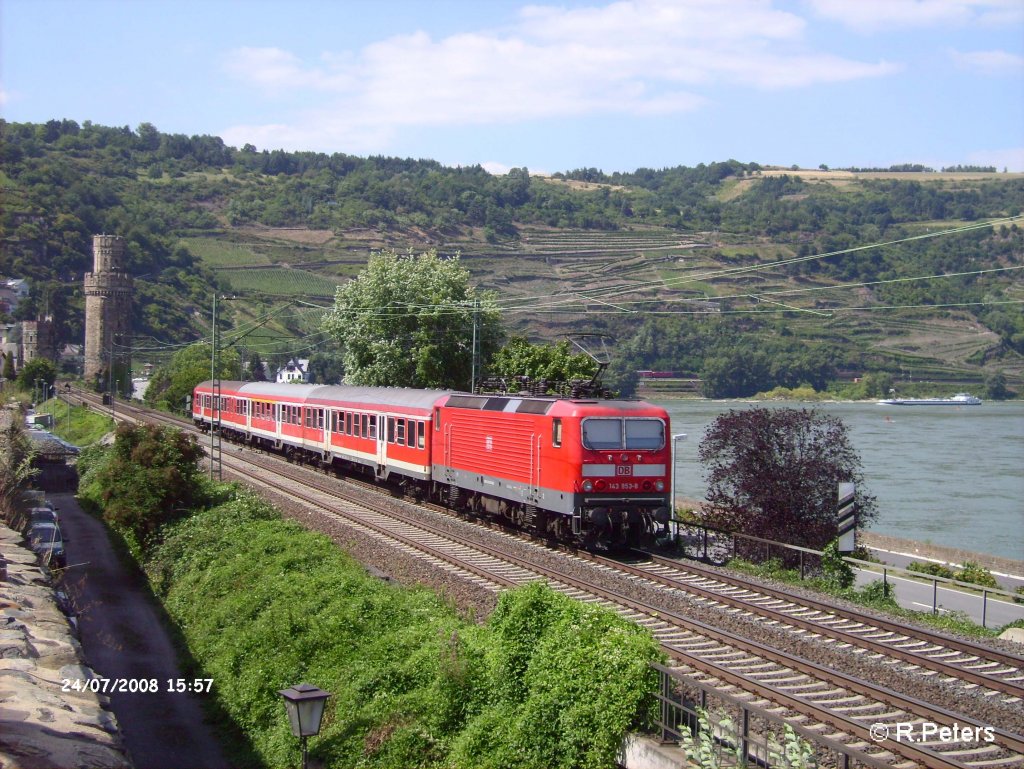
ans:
x=305 y=706
x=675 y=524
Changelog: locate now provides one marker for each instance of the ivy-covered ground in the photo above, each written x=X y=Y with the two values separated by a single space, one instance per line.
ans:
x=263 y=604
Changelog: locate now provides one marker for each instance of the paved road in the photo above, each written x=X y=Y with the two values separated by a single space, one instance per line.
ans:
x=919 y=596
x=1007 y=581
x=123 y=638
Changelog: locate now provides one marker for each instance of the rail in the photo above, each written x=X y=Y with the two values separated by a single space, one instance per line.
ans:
x=716 y=546
x=710 y=723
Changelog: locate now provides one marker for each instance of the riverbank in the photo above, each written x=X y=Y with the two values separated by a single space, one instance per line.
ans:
x=949 y=556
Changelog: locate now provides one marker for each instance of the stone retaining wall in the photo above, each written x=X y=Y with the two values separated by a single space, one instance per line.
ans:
x=44 y=726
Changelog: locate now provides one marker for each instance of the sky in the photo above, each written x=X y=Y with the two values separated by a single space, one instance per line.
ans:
x=549 y=86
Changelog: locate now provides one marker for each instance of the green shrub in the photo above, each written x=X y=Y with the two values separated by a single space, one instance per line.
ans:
x=877 y=593
x=149 y=477
x=264 y=604
x=835 y=570
x=931 y=568
x=976 y=574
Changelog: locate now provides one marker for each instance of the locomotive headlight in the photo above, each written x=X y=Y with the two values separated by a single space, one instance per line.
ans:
x=588 y=485
x=659 y=485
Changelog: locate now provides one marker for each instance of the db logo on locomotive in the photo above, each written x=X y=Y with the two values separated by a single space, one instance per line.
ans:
x=623 y=469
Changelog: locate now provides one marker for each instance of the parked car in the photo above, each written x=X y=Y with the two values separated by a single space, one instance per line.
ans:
x=43 y=515
x=46 y=540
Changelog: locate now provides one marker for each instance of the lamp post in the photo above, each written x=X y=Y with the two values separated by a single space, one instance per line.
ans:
x=675 y=525
x=305 y=706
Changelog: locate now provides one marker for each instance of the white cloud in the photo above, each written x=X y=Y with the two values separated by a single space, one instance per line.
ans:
x=878 y=15
x=637 y=57
x=990 y=62
x=274 y=69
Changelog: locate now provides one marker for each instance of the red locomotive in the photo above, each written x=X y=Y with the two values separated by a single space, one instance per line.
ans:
x=593 y=472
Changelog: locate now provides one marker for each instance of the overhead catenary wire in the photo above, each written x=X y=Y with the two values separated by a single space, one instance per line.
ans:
x=577 y=303
x=543 y=303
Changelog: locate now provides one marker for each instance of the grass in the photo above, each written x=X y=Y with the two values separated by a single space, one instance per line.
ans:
x=85 y=427
x=262 y=604
x=873 y=596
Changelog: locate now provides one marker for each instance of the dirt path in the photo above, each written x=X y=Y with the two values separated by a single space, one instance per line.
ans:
x=123 y=638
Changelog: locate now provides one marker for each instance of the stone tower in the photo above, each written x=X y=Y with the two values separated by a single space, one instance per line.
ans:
x=38 y=340
x=108 y=313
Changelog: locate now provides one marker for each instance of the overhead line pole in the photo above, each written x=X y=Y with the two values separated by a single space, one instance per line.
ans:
x=473 y=365
x=215 y=444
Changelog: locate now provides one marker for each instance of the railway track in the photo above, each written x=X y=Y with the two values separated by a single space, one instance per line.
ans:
x=954 y=660
x=840 y=707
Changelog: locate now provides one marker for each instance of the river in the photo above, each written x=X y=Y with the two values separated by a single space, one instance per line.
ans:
x=950 y=476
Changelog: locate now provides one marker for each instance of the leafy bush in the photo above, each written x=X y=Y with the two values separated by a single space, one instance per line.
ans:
x=836 y=571
x=150 y=476
x=773 y=473
x=877 y=593
x=931 y=568
x=976 y=574
x=264 y=604
x=567 y=681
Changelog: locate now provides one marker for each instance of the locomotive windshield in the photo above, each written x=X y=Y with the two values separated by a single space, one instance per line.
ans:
x=613 y=434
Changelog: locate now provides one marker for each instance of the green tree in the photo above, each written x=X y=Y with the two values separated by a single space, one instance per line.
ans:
x=520 y=357
x=8 y=369
x=149 y=477
x=37 y=368
x=171 y=384
x=408 y=321
x=877 y=384
x=995 y=386
x=257 y=370
x=774 y=473
x=325 y=368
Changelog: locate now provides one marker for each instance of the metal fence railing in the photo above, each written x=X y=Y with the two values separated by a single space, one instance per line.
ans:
x=717 y=546
x=713 y=728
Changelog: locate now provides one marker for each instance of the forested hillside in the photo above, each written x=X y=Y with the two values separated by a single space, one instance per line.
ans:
x=744 y=276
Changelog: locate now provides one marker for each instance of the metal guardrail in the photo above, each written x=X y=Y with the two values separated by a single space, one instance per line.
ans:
x=717 y=546
x=726 y=731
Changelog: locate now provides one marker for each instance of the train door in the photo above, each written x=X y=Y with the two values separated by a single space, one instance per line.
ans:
x=382 y=443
